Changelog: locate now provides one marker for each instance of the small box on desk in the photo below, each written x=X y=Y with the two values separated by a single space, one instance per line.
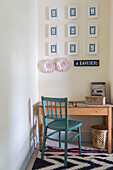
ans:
x=95 y=100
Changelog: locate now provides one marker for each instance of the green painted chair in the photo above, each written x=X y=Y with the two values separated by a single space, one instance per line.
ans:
x=57 y=110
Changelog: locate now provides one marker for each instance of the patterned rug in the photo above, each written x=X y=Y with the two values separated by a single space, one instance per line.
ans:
x=89 y=159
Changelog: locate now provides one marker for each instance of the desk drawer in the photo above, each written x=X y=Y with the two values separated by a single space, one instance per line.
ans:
x=88 y=111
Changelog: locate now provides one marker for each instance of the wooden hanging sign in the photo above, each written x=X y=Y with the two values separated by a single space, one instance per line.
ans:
x=86 y=63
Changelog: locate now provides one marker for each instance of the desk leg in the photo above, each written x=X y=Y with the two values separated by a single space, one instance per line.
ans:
x=110 y=130
x=40 y=122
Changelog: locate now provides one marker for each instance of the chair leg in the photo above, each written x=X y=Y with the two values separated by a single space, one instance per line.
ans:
x=44 y=141
x=59 y=139
x=66 y=142
x=79 y=138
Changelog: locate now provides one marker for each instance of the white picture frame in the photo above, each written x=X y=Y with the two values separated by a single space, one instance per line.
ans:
x=72 y=48
x=53 y=31
x=53 y=49
x=92 y=11
x=92 y=30
x=73 y=12
x=92 y=47
x=53 y=13
x=72 y=30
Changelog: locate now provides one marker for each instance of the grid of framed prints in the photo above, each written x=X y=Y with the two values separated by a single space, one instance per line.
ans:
x=73 y=32
x=92 y=30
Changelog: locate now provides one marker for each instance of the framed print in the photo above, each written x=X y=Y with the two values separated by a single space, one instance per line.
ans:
x=92 y=47
x=53 y=13
x=92 y=11
x=73 y=12
x=53 y=49
x=72 y=48
x=72 y=30
x=52 y=31
x=92 y=30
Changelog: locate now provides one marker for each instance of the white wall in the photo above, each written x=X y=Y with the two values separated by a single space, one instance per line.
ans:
x=111 y=51
x=111 y=58
x=76 y=82
x=18 y=79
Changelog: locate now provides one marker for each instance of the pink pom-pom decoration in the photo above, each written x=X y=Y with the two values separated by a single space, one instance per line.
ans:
x=48 y=66
x=63 y=64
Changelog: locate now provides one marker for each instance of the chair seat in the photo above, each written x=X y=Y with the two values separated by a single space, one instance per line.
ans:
x=60 y=125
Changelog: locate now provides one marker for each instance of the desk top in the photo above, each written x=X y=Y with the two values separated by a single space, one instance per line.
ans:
x=76 y=104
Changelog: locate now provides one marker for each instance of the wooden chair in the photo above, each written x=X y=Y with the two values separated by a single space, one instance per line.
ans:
x=60 y=122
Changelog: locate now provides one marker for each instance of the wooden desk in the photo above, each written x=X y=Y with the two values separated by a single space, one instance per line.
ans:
x=92 y=110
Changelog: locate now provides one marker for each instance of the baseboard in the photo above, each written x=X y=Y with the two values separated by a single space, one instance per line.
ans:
x=29 y=154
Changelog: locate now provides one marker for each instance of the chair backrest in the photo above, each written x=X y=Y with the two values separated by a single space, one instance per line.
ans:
x=55 y=108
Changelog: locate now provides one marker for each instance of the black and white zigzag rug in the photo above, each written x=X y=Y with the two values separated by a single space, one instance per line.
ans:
x=86 y=161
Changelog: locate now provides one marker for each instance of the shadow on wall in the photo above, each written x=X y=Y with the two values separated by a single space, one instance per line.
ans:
x=33 y=125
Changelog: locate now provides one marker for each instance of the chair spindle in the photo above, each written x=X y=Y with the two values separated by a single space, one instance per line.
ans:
x=60 y=110
x=51 y=110
x=47 y=108
x=56 y=109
